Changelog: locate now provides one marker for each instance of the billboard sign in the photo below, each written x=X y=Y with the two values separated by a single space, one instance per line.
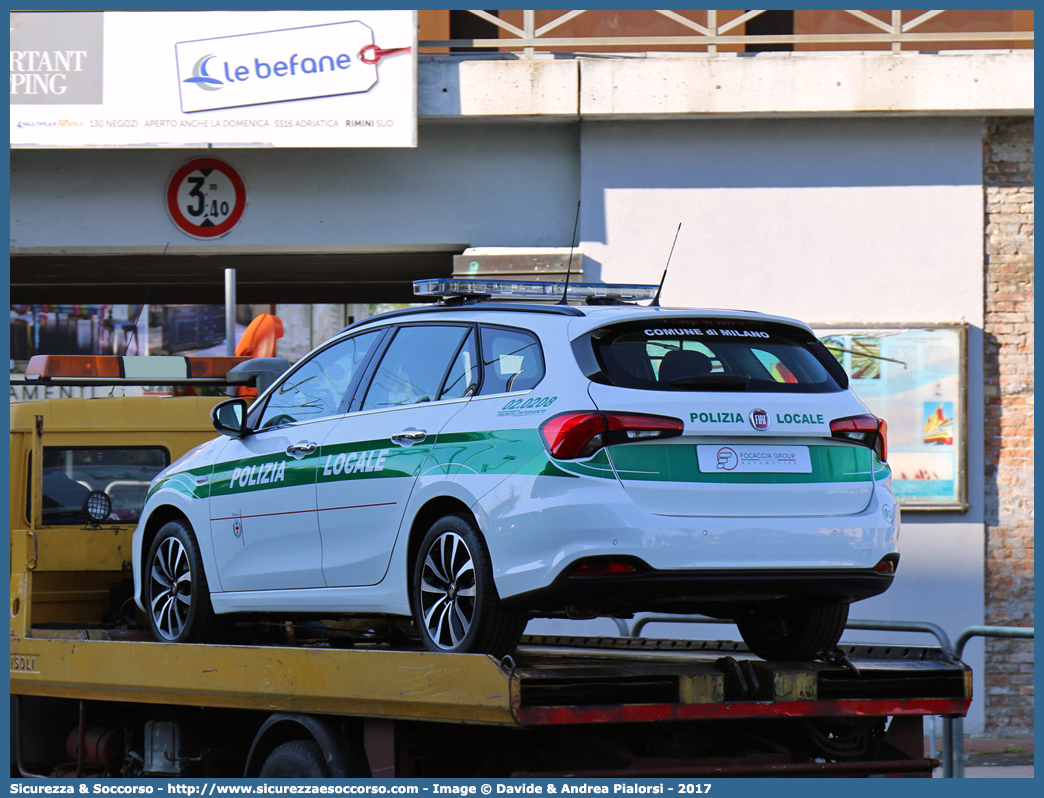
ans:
x=221 y=78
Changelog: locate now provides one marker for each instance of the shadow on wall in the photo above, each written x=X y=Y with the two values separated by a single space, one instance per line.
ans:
x=785 y=153
x=592 y=270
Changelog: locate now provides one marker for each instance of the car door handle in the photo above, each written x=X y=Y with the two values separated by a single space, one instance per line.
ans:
x=409 y=437
x=299 y=450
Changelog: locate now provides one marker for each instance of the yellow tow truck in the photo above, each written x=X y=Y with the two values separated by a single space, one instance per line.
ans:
x=93 y=695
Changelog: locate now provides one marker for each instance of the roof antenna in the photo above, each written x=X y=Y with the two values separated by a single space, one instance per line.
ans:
x=656 y=299
x=569 y=266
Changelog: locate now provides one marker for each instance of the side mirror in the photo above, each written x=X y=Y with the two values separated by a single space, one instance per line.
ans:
x=229 y=417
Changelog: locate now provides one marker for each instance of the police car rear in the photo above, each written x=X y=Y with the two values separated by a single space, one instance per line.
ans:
x=755 y=479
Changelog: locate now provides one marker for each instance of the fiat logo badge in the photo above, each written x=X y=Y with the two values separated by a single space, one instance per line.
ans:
x=759 y=419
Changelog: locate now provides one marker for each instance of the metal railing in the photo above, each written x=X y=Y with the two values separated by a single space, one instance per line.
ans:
x=714 y=34
x=956 y=758
x=953 y=728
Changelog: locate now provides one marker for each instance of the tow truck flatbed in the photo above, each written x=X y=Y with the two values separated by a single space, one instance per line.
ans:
x=90 y=685
x=549 y=680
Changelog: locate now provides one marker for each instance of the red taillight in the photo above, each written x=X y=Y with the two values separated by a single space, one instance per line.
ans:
x=571 y=435
x=590 y=568
x=868 y=430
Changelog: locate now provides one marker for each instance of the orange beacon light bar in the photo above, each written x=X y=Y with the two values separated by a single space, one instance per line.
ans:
x=139 y=370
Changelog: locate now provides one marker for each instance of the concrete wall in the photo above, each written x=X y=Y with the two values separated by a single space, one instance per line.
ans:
x=678 y=85
x=873 y=220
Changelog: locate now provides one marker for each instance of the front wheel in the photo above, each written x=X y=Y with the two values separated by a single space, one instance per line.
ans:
x=455 y=603
x=177 y=598
x=793 y=633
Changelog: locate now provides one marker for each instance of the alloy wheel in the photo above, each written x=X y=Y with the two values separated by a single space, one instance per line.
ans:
x=448 y=590
x=171 y=594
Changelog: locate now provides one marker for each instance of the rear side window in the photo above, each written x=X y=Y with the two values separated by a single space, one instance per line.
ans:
x=511 y=361
x=714 y=355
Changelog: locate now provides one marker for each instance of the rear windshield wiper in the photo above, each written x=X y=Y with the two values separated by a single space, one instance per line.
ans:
x=717 y=380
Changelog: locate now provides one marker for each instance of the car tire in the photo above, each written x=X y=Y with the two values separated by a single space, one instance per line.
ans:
x=177 y=598
x=297 y=759
x=456 y=607
x=793 y=633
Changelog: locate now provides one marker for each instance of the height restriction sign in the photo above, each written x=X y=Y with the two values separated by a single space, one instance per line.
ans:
x=206 y=198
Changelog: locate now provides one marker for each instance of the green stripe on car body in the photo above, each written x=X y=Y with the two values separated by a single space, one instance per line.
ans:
x=500 y=452
x=881 y=470
x=672 y=463
x=184 y=482
x=370 y=460
x=250 y=474
x=504 y=452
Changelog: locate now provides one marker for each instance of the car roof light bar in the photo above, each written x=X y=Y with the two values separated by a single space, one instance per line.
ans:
x=523 y=289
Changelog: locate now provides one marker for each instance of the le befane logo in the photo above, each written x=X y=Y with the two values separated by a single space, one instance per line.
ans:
x=275 y=66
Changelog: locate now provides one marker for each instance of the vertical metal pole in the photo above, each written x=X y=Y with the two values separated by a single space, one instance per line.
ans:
x=528 y=30
x=947 y=736
x=958 y=748
x=230 y=311
x=712 y=26
x=897 y=28
x=81 y=740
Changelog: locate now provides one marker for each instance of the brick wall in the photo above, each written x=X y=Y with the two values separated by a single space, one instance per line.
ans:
x=1008 y=186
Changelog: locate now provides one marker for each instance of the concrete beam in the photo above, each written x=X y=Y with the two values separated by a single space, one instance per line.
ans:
x=455 y=88
x=785 y=84
x=974 y=83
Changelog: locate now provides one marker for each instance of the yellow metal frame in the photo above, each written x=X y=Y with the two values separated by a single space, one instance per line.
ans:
x=401 y=684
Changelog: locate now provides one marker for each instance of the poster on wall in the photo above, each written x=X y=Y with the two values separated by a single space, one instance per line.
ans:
x=913 y=376
x=214 y=78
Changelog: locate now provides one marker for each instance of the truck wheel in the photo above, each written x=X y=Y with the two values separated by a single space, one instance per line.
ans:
x=176 y=592
x=455 y=602
x=298 y=759
x=794 y=633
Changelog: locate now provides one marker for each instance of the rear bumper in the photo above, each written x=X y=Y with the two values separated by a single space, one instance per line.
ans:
x=709 y=590
x=680 y=561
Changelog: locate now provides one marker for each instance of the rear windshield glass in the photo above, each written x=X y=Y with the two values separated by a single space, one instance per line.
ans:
x=693 y=354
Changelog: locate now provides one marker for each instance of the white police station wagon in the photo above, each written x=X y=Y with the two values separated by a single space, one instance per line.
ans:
x=478 y=463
